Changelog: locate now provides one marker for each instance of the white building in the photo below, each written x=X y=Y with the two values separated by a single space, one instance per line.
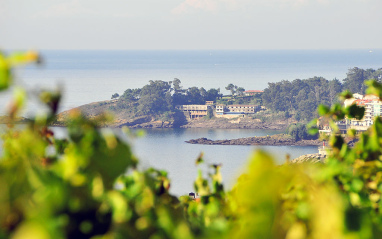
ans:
x=194 y=111
x=220 y=109
x=373 y=108
x=244 y=109
x=236 y=109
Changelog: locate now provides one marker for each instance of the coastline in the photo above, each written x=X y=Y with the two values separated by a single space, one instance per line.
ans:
x=121 y=119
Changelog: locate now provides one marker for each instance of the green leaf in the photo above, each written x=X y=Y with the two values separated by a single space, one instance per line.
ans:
x=323 y=110
x=354 y=111
x=313 y=131
x=200 y=159
x=346 y=95
x=5 y=73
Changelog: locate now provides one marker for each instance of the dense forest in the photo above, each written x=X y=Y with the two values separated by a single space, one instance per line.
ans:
x=302 y=97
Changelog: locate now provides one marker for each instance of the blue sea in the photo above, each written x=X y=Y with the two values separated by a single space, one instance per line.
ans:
x=88 y=76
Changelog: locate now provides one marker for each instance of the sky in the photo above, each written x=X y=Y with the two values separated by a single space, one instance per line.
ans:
x=190 y=24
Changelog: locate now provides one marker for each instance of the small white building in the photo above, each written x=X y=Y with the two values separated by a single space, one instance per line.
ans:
x=220 y=109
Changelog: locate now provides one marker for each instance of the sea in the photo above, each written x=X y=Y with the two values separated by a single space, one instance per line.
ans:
x=89 y=76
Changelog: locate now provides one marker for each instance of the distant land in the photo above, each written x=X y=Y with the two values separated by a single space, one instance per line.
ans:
x=8 y=120
x=156 y=105
x=121 y=119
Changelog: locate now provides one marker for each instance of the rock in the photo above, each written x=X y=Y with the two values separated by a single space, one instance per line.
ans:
x=309 y=158
x=276 y=140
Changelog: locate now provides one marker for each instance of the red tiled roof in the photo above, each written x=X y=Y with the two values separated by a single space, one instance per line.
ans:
x=362 y=102
x=253 y=91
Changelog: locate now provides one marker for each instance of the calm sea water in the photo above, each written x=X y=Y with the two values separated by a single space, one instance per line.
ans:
x=88 y=76
x=166 y=149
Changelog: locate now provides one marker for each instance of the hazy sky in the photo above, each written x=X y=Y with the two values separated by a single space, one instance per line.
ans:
x=190 y=24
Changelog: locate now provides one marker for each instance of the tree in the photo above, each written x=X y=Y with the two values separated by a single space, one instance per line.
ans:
x=153 y=97
x=299 y=132
x=213 y=94
x=240 y=91
x=176 y=86
x=194 y=96
x=335 y=88
x=355 y=80
x=131 y=95
x=169 y=101
x=114 y=96
x=203 y=93
x=231 y=87
x=178 y=98
x=210 y=112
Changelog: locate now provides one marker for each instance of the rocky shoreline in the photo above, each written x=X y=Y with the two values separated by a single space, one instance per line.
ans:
x=147 y=122
x=273 y=140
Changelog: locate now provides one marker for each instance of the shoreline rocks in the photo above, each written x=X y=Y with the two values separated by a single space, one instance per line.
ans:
x=309 y=158
x=273 y=140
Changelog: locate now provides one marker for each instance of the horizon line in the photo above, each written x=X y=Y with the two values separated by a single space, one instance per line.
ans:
x=202 y=49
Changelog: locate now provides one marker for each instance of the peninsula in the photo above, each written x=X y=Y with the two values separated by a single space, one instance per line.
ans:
x=173 y=120
x=166 y=104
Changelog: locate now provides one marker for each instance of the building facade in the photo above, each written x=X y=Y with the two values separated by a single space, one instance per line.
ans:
x=373 y=108
x=220 y=109
x=244 y=109
x=194 y=111
x=236 y=109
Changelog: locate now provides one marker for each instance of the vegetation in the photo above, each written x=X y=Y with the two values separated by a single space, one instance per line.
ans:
x=115 y=96
x=159 y=97
x=298 y=98
x=299 y=131
x=235 y=90
x=302 y=97
x=239 y=100
x=89 y=185
x=356 y=77
x=265 y=116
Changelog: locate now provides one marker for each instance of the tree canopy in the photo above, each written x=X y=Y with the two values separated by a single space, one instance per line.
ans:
x=354 y=82
x=304 y=96
x=162 y=96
